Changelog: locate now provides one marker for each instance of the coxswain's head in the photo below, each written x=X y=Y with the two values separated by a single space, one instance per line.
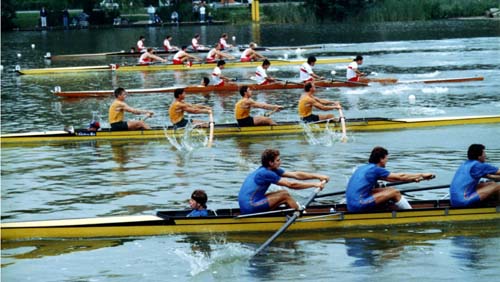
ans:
x=200 y=197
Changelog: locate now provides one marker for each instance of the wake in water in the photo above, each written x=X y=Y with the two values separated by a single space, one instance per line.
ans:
x=325 y=137
x=190 y=139
x=222 y=255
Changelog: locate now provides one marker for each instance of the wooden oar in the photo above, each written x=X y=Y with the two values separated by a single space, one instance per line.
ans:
x=289 y=222
x=211 y=134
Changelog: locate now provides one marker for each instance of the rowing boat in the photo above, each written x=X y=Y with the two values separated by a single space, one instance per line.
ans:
x=161 y=52
x=233 y=130
x=234 y=87
x=169 y=66
x=317 y=217
x=203 y=89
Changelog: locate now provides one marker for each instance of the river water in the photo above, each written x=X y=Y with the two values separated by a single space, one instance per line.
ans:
x=53 y=181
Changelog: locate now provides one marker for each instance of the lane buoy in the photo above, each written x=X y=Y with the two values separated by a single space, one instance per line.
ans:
x=412 y=99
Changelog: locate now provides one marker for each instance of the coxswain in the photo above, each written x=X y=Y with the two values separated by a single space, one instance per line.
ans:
x=223 y=42
x=250 y=54
x=178 y=107
x=353 y=73
x=149 y=57
x=215 y=54
x=261 y=75
x=243 y=107
x=306 y=72
x=308 y=101
x=182 y=57
x=167 y=46
x=117 y=111
x=140 y=44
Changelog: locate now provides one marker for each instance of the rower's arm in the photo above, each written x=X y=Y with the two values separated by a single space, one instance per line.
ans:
x=411 y=177
x=301 y=175
x=300 y=185
x=265 y=106
x=193 y=109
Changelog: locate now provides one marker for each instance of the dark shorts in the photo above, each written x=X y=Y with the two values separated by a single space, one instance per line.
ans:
x=182 y=123
x=311 y=118
x=117 y=126
x=248 y=121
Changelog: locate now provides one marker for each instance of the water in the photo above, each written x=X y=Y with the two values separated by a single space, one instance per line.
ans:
x=101 y=178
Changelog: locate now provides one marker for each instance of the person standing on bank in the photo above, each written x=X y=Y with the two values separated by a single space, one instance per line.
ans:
x=361 y=193
x=253 y=198
x=117 y=111
x=465 y=189
x=43 y=17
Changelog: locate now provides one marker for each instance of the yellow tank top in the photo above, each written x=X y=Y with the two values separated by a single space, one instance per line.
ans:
x=114 y=115
x=305 y=106
x=175 y=114
x=239 y=111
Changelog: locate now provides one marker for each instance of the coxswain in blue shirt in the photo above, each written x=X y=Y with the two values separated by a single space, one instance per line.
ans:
x=253 y=198
x=198 y=203
x=465 y=189
x=361 y=193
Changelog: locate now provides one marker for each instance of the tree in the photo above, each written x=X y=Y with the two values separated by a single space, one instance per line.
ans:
x=8 y=15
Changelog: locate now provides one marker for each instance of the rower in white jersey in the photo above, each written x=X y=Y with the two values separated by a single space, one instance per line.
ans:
x=167 y=46
x=306 y=72
x=140 y=44
x=223 y=42
x=217 y=78
x=149 y=57
x=215 y=54
x=353 y=74
x=195 y=43
x=250 y=54
x=261 y=75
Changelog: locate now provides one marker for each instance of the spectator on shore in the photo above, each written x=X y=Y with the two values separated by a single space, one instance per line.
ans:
x=43 y=17
x=202 y=12
x=65 y=18
x=151 y=13
x=157 y=19
x=174 y=17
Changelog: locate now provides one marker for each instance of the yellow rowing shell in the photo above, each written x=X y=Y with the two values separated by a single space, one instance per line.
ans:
x=164 y=67
x=232 y=130
x=320 y=217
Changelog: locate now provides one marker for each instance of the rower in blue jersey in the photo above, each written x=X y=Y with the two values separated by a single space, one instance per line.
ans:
x=361 y=193
x=465 y=189
x=253 y=198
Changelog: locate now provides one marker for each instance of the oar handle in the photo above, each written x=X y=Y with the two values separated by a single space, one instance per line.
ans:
x=211 y=125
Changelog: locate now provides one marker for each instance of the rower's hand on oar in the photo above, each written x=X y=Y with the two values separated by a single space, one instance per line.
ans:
x=425 y=176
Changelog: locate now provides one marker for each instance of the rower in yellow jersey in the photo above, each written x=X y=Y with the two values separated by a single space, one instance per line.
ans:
x=243 y=107
x=118 y=109
x=178 y=107
x=308 y=101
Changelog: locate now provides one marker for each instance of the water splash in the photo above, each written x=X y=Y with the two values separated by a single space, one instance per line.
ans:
x=327 y=137
x=190 y=139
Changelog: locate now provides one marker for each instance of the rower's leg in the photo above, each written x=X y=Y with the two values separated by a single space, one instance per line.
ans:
x=281 y=197
x=487 y=190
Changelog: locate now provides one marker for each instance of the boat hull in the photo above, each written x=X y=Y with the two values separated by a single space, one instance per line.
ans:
x=232 y=130
x=228 y=221
x=166 y=67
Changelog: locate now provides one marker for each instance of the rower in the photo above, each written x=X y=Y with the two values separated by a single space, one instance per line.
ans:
x=306 y=72
x=250 y=54
x=361 y=194
x=167 y=46
x=261 y=75
x=149 y=57
x=195 y=43
x=140 y=44
x=243 y=107
x=252 y=197
x=353 y=73
x=217 y=77
x=215 y=54
x=223 y=42
x=178 y=107
x=182 y=57
x=465 y=189
x=308 y=100
x=118 y=109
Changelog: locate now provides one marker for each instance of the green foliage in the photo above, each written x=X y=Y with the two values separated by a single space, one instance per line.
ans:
x=287 y=13
x=415 y=10
x=8 y=15
x=336 y=10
